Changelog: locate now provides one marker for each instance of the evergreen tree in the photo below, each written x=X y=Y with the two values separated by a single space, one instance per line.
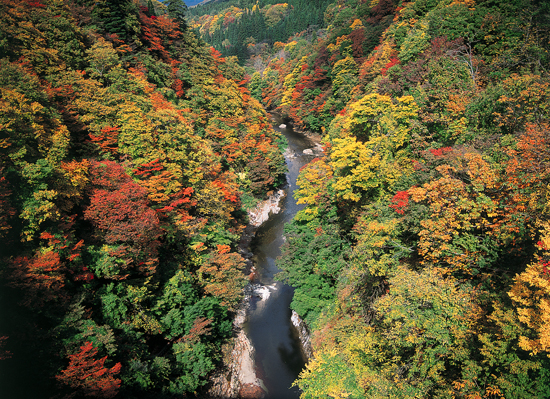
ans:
x=118 y=17
x=151 y=8
x=177 y=10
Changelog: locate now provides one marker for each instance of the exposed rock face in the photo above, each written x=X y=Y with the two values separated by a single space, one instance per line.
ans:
x=303 y=333
x=244 y=365
x=251 y=391
x=261 y=212
x=238 y=378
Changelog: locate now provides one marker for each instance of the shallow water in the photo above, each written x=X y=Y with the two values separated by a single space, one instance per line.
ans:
x=278 y=356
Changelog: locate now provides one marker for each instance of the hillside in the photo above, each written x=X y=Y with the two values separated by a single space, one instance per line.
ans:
x=129 y=153
x=421 y=259
x=244 y=27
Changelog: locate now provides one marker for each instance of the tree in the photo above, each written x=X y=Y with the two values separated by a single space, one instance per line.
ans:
x=123 y=214
x=119 y=209
x=222 y=276
x=177 y=10
x=420 y=334
x=118 y=17
x=42 y=277
x=6 y=210
x=462 y=230
x=312 y=182
x=312 y=259
x=102 y=58
x=89 y=376
x=120 y=167
x=369 y=145
x=531 y=296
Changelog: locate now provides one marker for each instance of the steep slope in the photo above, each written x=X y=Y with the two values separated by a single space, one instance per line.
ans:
x=421 y=260
x=127 y=150
x=242 y=28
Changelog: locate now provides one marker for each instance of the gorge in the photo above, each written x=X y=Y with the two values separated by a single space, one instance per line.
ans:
x=278 y=354
x=134 y=140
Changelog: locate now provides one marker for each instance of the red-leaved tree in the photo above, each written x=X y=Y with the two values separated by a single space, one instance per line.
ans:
x=89 y=376
x=119 y=209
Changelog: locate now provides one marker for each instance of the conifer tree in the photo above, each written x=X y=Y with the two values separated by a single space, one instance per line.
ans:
x=177 y=10
x=151 y=8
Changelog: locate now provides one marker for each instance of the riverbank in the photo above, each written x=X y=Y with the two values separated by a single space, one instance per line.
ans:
x=270 y=345
x=237 y=378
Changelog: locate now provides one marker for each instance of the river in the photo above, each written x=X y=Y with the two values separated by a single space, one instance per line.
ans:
x=278 y=355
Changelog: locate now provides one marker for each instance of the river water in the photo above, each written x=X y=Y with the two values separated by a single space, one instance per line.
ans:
x=278 y=355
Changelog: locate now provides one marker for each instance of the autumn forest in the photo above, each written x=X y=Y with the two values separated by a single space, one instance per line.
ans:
x=135 y=135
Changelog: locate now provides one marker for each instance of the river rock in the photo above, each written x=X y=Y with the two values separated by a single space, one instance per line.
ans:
x=261 y=212
x=289 y=154
x=308 y=151
x=282 y=126
x=303 y=333
x=238 y=378
x=251 y=391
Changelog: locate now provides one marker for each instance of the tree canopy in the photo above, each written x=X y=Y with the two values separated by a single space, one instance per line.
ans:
x=127 y=148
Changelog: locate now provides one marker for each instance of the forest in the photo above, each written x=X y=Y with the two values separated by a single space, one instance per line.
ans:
x=129 y=152
x=131 y=149
x=235 y=27
x=421 y=261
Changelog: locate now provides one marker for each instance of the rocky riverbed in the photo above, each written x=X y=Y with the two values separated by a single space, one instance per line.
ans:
x=240 y=376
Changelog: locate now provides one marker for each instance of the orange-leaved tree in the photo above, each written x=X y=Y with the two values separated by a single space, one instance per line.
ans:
x=222 y=275
x=88 y=376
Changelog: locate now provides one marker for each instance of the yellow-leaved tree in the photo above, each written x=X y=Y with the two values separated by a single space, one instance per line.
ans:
x=369 y=145
x=312 y=183
x=421 y=330
x=461 y=231
x=531 y=296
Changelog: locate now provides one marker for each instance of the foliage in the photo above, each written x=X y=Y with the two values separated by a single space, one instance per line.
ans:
x=128 y=150
x=312 y=259
x=222 y=276
x=530 y=294
x=89 y=376
x=431 y=194
x=126 y=145
x=242 y=28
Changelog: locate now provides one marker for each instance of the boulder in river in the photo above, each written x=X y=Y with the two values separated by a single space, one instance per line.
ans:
x=251 y=391
x=282 y=126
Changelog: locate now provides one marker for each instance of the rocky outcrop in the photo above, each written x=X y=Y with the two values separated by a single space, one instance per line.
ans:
x=303 y=333
x=261 y=212
x=244 y=368
x=251 y=391
x=238 y=377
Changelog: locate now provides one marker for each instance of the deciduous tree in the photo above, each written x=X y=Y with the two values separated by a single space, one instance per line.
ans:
x=88 y=376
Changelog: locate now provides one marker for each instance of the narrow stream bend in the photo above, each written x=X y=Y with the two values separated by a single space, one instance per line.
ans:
x=278 y=354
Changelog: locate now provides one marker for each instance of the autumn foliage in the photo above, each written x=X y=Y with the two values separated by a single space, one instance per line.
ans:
x=432 y=196
x=124 y=143
x=129 y=149
x=89 y=376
